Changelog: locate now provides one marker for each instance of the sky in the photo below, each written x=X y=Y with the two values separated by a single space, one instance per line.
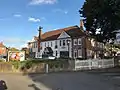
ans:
x=20 y=19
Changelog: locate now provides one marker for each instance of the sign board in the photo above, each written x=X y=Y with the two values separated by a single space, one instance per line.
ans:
x=16 y=55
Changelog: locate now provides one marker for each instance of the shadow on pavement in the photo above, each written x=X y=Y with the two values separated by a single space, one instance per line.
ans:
x=105 y=79
x=3 y=85
x=34 y=86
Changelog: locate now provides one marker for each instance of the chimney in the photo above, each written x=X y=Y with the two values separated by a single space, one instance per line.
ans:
x=39 y=38
x=40 y=32
x=81 y=25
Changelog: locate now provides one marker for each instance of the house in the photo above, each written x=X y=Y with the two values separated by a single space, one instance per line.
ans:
x=3 y=51
x=118 y=37
x=26 y=51
x=72 y=42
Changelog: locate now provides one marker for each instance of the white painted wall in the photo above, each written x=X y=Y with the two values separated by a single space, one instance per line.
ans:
x=118 y=38
x=63 y=36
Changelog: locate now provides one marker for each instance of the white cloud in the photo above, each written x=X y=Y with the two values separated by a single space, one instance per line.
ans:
x=61 y=11
x=32 y=19
x=38 y=2
x=17 y=15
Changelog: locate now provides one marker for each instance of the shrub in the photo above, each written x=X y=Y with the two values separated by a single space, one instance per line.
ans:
x=16 y=64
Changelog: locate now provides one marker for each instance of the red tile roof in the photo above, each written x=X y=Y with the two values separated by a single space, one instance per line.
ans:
x=73 y=31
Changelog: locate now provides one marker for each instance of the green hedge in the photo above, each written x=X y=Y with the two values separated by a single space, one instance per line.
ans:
x=29 y=63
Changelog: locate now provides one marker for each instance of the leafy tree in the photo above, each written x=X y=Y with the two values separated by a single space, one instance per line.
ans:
x=102 y=15
x=13 y=49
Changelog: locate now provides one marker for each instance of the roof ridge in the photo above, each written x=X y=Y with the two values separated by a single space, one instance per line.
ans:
x=60 y=29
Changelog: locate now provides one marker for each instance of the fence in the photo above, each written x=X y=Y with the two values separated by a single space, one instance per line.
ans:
x=93 y=64
x=5 y=67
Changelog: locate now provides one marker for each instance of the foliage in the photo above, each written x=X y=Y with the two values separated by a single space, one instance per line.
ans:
x=16 y=64
x=13 y=49
x=1 y=60
x=103 y=15
x=29 y=63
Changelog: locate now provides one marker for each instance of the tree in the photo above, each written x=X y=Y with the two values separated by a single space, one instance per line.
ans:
x=102 y=16
x=13 y=49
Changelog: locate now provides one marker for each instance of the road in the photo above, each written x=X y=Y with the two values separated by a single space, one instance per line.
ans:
x=64 y=81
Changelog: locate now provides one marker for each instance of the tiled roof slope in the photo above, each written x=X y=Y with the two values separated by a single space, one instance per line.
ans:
x=73 y=31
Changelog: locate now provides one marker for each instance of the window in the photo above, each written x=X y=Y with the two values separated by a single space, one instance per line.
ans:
x=56 y=53
x=51 y=44
x=36 y=45
x=88 y=52
x=63 y=42
x=75 y=53
x=55 y=44
x=75 y=41
x=45 y=44
x=60 y=42
x=79 y=41
x=33 y=45
x=48 y=44
x=80 y=53
x=41 y=44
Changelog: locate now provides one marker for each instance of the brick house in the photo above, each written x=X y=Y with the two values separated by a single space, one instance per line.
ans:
x=3 y=50
x=72 y=42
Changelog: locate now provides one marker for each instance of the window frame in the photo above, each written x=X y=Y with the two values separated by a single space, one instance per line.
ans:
x=60 y=42
x=75 y=41
x=75 y=53
x=80 y=53
x=80 y=40
x=63 y=42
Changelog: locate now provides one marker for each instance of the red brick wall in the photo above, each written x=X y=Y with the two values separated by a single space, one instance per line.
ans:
x=3 y=51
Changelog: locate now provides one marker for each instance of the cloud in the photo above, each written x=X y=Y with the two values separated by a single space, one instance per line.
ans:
x=17 y=15
x=32 y=19
x=61 y=11
x=38 y=2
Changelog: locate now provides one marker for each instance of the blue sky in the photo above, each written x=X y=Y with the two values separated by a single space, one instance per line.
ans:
x=20 y=19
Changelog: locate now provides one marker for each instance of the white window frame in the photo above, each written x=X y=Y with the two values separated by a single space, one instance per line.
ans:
x=80 y=39
x=88 y=52
x=75 y=55
x=75 y=41
x=51 y=43
x=80 y=53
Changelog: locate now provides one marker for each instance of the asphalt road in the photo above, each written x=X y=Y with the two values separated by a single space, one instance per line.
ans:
x=64 y=81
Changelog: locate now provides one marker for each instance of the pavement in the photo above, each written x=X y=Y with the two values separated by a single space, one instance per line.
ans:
x=88 y=80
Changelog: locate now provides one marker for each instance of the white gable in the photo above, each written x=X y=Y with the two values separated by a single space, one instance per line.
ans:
x=63 y=35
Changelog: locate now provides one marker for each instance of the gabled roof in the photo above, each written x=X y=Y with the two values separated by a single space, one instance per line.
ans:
x=73 y=31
